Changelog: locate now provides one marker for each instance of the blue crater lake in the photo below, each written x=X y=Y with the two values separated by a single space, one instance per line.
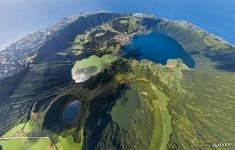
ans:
x=72 y=112
x=156 y=47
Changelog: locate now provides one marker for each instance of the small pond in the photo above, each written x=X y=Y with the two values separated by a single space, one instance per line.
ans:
x=72 y=112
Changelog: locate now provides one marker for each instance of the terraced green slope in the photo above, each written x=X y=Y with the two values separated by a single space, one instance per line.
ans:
x=203 y=114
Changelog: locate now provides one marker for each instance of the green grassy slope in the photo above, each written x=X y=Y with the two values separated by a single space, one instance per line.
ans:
x=204 y=113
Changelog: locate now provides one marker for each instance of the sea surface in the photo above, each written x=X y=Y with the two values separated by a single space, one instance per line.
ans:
x=18 y=17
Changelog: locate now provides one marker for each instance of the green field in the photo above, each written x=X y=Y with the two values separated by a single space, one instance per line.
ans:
x=27 y=144
x=17 y=139
x=162 y=122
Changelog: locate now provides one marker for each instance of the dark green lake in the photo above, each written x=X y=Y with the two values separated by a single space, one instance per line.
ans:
x=156 y=47
x=125 y=108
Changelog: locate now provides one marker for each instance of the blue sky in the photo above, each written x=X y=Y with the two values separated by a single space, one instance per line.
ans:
x=19 y=17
